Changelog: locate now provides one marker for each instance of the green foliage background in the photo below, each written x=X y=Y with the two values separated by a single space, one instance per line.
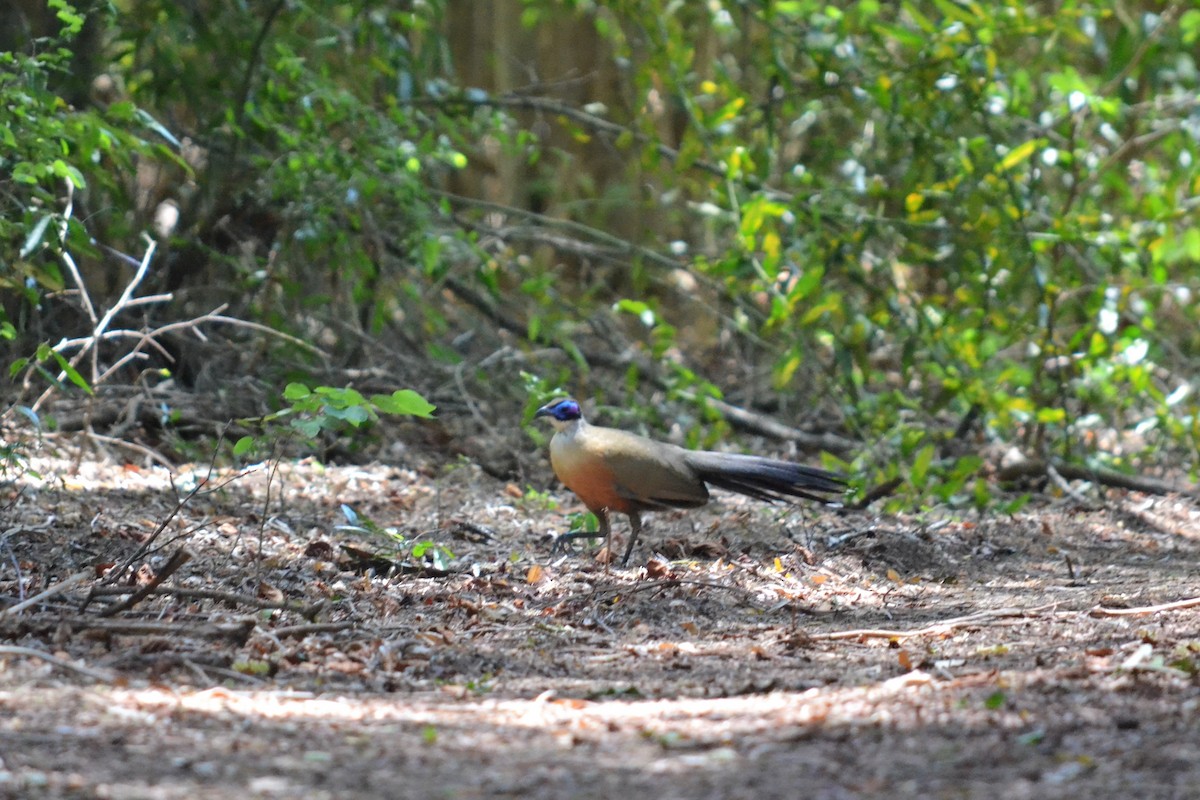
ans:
x=948 y=230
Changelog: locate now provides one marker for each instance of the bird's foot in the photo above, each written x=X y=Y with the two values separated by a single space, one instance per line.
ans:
x=562 y=541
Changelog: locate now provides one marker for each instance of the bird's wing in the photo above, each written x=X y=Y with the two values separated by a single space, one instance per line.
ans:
x=646 y=473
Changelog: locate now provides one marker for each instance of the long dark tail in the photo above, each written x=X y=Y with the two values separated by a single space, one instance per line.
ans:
x=764 y=478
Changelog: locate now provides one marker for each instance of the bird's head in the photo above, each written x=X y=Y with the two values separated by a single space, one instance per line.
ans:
x=561 y=412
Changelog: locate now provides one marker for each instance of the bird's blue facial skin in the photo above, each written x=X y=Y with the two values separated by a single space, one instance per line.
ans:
x=563 y=410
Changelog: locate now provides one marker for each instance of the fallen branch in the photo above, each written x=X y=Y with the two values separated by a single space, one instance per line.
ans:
x=1141 y=611
x=308 y=611
x=1060 y=480
x=117 y=573
x=765 y=425
x=95 y=674
x=237 y=631
x=1105 y=477
x=180 y=557
x=152 y=455
x=305 y=630
x=930 y=630
x=58 y=588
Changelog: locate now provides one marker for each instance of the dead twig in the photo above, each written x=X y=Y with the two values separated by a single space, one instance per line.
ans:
x=305 y=630
x=149 y=453
x=1141 y=611
x=32 y=652
x=764 y=425
x=944 y=626
x=58 y=588
x=308 y=611
x=237 y=631
x=99 y=326
x=1059 y=480
x=1105 y=477
x=117 y=573
x=180 y=557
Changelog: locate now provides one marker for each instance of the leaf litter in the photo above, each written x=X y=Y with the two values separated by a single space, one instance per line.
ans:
x=749 y=650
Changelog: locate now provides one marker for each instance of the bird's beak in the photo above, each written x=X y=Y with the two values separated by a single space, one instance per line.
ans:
x=544 y=411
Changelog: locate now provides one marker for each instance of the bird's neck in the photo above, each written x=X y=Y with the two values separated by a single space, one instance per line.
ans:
x=569 y=429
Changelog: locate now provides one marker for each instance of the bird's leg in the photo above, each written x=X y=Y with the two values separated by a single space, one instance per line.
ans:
x=635 y=527
x=605 y=533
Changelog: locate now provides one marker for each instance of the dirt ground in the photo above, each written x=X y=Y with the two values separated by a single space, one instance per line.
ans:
x=748 y=652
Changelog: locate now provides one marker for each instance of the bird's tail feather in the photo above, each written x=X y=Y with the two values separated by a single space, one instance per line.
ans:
x=764 y=478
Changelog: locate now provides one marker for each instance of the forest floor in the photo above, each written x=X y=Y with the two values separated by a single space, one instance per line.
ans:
x=748 y=651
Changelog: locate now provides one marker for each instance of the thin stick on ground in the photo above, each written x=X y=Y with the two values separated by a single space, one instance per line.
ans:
x=181 y=557
x=306 y=610
x=317 y=627
x=118 y=572
x=944 y=626
x=58 y=588
x=32 y=652
x=1141 y=611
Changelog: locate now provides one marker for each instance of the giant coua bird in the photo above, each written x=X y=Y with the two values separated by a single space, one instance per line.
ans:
x=614 y=470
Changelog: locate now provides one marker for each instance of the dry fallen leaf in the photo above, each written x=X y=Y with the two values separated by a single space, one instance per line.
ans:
x=143 y=575
x=894 y=576
x=905 y=662
x=658 y=568
x=535 y=574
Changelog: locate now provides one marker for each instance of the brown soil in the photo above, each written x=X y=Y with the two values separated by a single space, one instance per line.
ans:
x=766 y=652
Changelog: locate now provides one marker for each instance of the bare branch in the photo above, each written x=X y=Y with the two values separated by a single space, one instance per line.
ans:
x=1142 y=611
x=181 y=557
x=945 y=626
x=14 y=650
x=58 y=588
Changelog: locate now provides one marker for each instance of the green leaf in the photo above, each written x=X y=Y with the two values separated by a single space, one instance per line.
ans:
x=67 y=14
x=920 y=470
x=296 y=391
x=64 y=170
x=1189 y=26
x=71 y=373
x=355 y=415
x=35 y=235
x=922 y=21
x=243 y=445
x=1051 y=415
x=404 y=402
x=1019 y=154
x=309 y=428
x=156 y=126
